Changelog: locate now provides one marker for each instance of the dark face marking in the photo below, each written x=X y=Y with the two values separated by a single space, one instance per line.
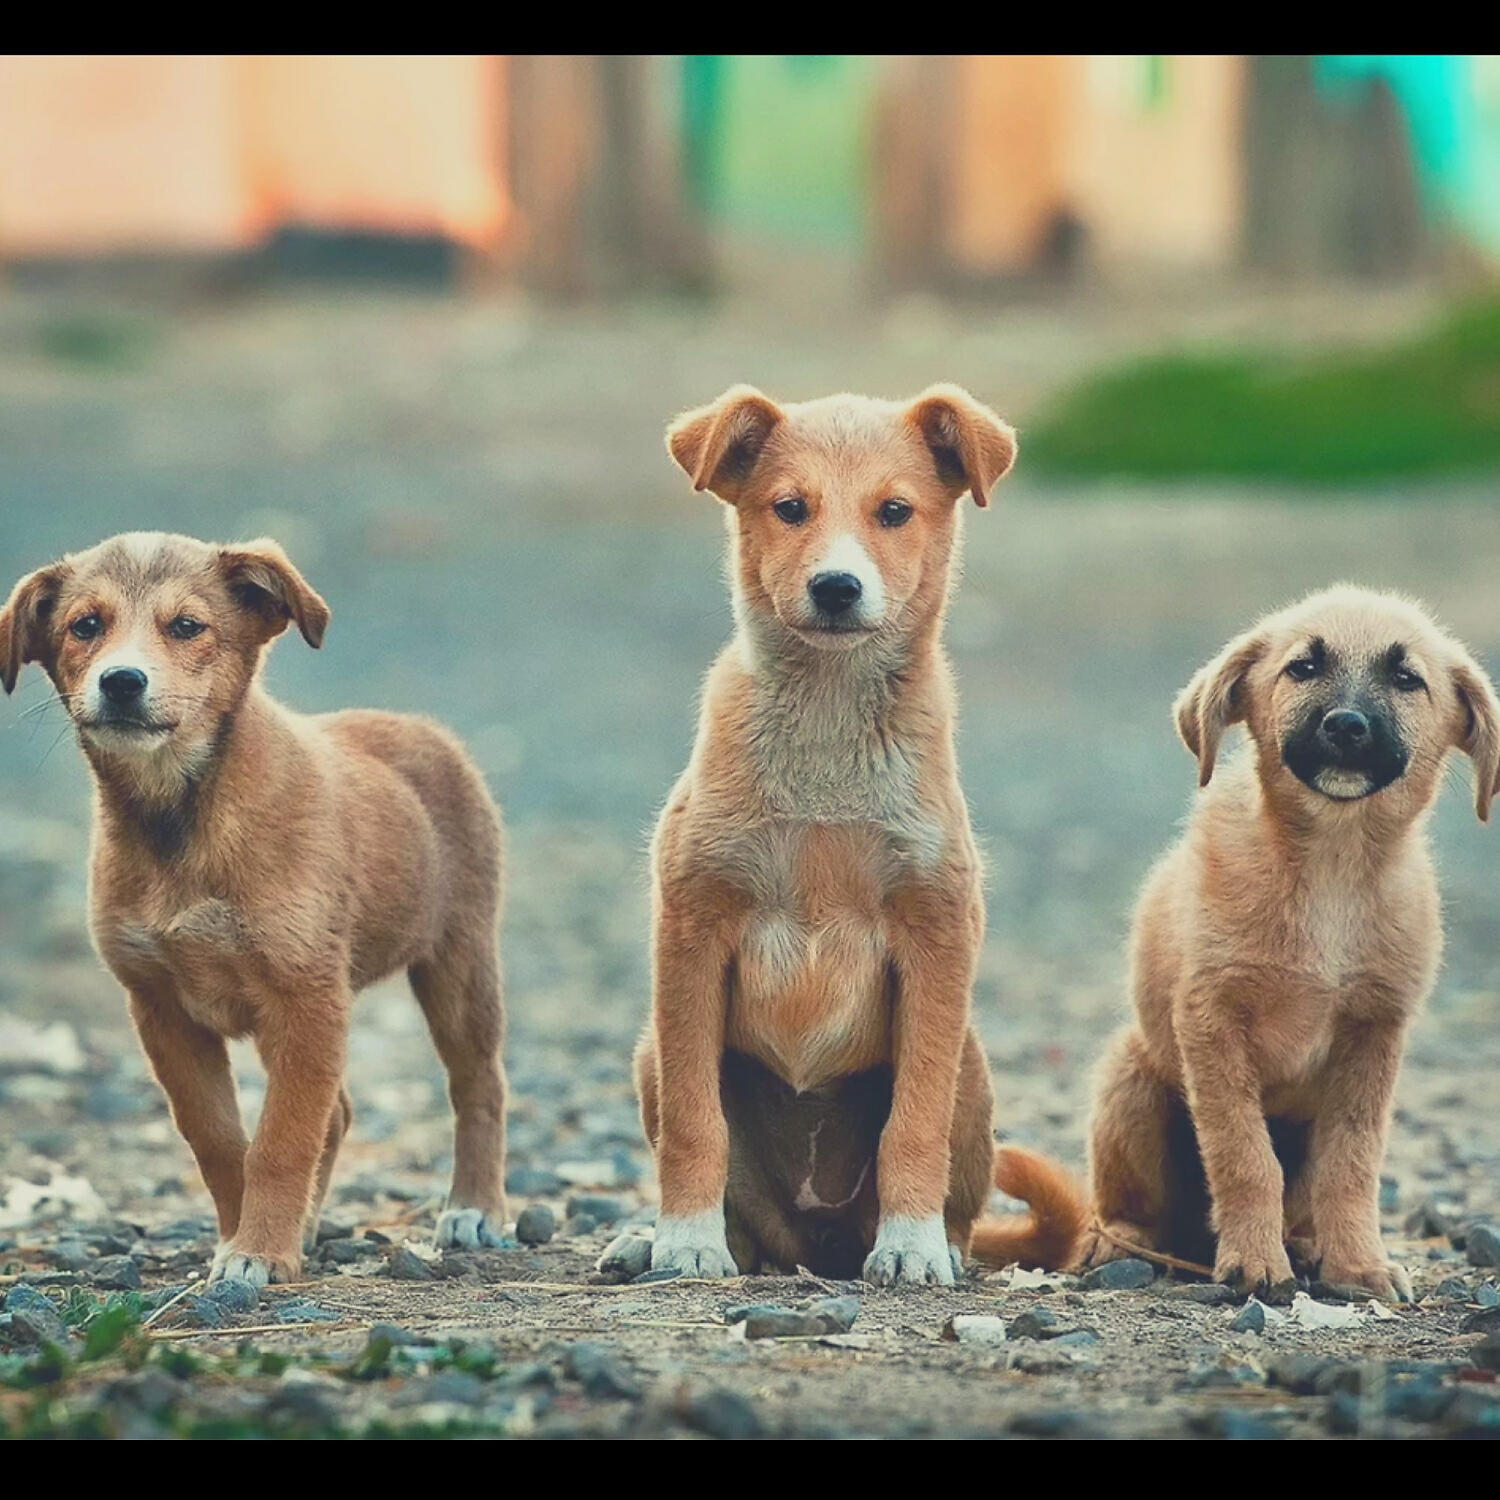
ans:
x=1346 y=742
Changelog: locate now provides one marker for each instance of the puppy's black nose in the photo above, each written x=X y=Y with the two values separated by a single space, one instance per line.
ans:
x=1346 y=729
x=123 y=685
x=834 y=593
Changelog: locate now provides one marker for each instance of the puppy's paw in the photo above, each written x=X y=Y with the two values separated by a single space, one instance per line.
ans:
x=231 y=1264
x=1383 y=1279
x=1252 y=1267
x=912 y=1252
x=693 y=1244
x=470 y=1229
x=1100 y=1245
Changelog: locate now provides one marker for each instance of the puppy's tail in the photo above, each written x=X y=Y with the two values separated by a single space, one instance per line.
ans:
x=1048 y=1236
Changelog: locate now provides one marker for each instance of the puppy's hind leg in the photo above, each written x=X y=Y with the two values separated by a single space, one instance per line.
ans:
x=459 y=992
x=1129 y=1153
x=338 y=1127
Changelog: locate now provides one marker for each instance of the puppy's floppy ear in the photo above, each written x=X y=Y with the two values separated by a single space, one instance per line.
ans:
x=716 y=446
x=1478 y=734
x=972 y=448
x=25 y=622
x=1215 y=699
x=263 y=581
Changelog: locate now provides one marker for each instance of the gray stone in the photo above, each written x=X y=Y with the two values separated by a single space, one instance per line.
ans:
x=625 y=1257
x=116 y=1273
x=1034 y=1323
x=1120 y=1275
x=407 y=1265
x=1482 y=1245
x=536 y=1225
x=722 y=1414
x=666 y=1273
x=69 y=1255
x=1486 y=1320
x=837 y=1313
x=34 y=1317
x=575 y=1226
x=975 y=1329
x=782 y=1323
x=344 y=1252
x=599 y=1372
x=1486 y=1353
x=203 y=1313
x=1251 y=1318
x=234 y=1295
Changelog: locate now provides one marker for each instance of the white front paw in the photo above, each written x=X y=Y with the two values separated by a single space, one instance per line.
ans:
x=234 y=1265
x=693 y=1244
x=469 y=1229
x=912 y=1252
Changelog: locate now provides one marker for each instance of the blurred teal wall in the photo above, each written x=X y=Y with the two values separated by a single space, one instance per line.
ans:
x=778 y=146
x=1452 y=104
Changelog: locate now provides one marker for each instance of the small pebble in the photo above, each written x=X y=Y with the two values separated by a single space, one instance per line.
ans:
x=406 y=1265
x=722 y=1414
x=536 y=1225
x=1251 y=1318
x=1034 y=1323
x=233 y=1294
x=1482 y=1245
x=975 y=1329
x=116 y=1273
x=599 y=1372
x=625 y=1257
x=1120 y=1275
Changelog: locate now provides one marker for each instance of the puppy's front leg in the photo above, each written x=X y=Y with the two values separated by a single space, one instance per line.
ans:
x=693 y=948
x=1244 y=1177
x=935 y=946
x=192 y=1065
x=302 y=1044
x=1347 y=1146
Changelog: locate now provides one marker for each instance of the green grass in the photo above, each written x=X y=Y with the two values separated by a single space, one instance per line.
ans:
x=1428 y=406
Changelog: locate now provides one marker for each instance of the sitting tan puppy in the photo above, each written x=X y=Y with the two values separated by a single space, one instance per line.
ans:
x=253 y=869
x=1281 y=950
x=810 y=1081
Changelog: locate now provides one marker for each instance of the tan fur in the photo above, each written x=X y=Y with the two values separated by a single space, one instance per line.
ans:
x=254 y=868
x=817 y=905
x=1048 y=1235
x=1281 y=950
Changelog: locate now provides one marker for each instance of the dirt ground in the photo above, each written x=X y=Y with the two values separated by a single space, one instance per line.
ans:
x=480 y=491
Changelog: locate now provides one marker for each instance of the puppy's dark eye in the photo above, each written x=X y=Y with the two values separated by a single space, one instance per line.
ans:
x=1304 y=669
x=792 y=510
x=893 y=513
x=1404 y=680
x=87 y=628
x=185 y=628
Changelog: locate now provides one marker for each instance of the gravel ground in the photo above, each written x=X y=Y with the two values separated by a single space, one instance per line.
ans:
x=481 y=493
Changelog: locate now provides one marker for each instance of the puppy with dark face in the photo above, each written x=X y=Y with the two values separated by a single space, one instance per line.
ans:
x=1282 y=949
x=810 y=1081
x=254 y=868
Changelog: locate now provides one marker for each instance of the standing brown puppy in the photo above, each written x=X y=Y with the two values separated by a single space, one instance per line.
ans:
x=1282 y=949
x=810 y=1080
x=253 y=869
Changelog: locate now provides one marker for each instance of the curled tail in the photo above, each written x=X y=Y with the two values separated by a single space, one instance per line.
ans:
x=1048 y=1236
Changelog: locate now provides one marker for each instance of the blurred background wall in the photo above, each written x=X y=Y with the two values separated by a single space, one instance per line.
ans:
x=586 y=174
